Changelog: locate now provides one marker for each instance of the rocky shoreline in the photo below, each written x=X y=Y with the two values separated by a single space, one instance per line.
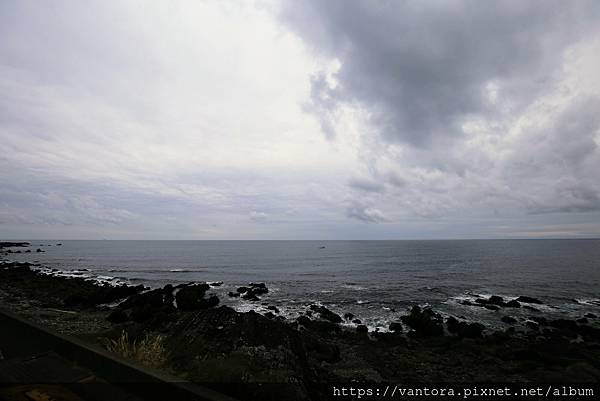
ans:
x=206 y=342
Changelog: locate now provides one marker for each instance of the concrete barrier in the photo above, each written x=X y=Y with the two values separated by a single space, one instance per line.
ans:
x=20 y=338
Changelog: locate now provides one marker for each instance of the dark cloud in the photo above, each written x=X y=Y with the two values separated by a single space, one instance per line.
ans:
x=422 y=68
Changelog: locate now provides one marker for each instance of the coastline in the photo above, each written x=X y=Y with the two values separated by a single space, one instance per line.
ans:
x=206 y=342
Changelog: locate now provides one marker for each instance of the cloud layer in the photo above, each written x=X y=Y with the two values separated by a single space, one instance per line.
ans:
x=467 y=108
x=337 y=119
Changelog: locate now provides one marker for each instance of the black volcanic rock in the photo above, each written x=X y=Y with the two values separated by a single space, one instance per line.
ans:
x=471 y=330
x=464 y=329
x=153 y=298
x=326 y=314
x=425 y=323
x=250 y=296
x=191 y=297
x=452 y=324
x=7 y=244
x=509 y=320
x=513 y=304
x=395 y=327
x=319 y=326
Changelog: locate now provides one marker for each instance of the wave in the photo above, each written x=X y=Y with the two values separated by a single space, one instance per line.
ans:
x=588 y=301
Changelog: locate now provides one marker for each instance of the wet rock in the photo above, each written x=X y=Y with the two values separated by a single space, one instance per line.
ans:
x=303 y=320
x=509 y=320
x=395 y=327
x=233 y=294
x=153 y=298
x=471 y=330
x=320 y=326
x=250 y=296
x=356 y=321
x=469 y=303
x=7 y=244
x=528 y=300
x=452 y=324
x=361 y=328
x=582 y=320
x=532 y=325
x=269 y=315
x=513 y=303
x=86 y=294
x=211 y=302
x=425 y=323
x=259 y=288
x=464 y=329
x=273 y=308
x=191 y=297
x=216 y=284
x=590 y=316
x=39 y=250
x=496 y=300
x=326 y=314
x=348 y=316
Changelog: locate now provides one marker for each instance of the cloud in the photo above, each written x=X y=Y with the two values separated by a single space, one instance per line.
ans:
x=423 y=68
x=366 y=184
x=208 y=120
x=466 y=111
x=366 y=214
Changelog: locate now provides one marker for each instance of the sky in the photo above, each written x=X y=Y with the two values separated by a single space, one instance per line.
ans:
x=337 y=119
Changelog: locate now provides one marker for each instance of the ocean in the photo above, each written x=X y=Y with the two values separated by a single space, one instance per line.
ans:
x=377 y=281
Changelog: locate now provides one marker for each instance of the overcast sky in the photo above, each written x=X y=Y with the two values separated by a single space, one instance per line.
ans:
x=336 y=119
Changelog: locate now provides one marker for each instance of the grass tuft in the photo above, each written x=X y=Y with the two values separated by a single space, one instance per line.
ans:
x=150 y=351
